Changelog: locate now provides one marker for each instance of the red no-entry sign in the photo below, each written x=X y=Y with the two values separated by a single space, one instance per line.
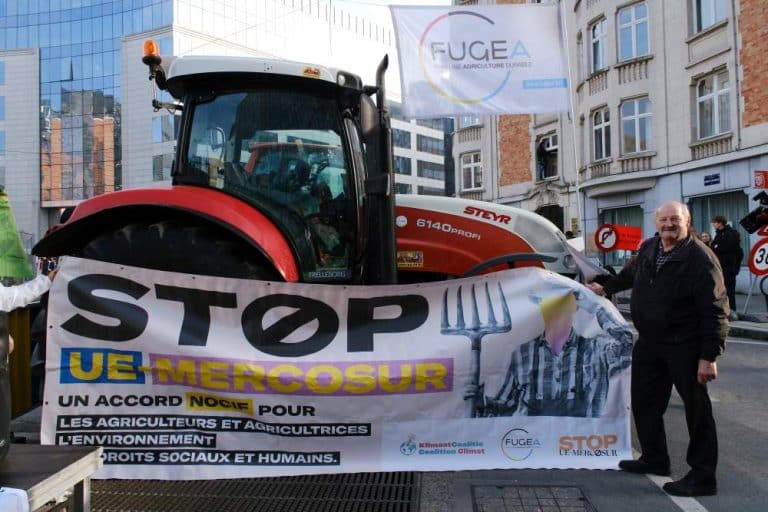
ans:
x=610 y=237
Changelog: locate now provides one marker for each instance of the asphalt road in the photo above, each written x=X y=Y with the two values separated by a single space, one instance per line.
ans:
x=742 y=418
x=741 y=412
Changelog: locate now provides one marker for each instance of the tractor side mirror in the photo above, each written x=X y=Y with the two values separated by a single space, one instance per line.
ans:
x=369 y=118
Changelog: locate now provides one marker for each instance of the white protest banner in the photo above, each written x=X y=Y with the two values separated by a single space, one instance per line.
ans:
x=489 y=59
x=198 y=377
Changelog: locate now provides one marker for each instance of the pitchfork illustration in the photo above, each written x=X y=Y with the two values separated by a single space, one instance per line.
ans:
x=475 y=332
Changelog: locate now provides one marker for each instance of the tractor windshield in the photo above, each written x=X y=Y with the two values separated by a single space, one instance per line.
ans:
x=283 y=152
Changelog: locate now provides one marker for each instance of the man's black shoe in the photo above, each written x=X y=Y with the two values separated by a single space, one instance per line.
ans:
x=688 y=486
x=642 y=467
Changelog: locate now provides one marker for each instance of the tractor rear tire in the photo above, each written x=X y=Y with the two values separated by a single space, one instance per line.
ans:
x=177 y=246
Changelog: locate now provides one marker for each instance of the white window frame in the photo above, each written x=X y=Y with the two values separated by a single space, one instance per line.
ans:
x=603 y=127
x=713 y=99
x=632 y=26
x=597 y=44
x=637 y=119
x=473 y=162
x=550 y=144
x=469 y=120
x=715 y=10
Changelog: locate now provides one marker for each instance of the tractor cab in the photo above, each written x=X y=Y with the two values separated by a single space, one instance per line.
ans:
x=283 y=152
x=304 y=145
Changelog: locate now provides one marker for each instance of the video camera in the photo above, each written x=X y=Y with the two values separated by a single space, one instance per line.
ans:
x=758 y=217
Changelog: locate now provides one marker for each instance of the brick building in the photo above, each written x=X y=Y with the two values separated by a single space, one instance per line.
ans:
x=669 y=102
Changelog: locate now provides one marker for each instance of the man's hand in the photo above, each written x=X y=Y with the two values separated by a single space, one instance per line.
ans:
x=597 y=288
x=473 y=391
x=707 y=371
x=586 y=302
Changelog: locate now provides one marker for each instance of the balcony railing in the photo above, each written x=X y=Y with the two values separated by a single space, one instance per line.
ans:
x=600 y=169
x=632 y=70
x=711 y=147
x=636 y=162
x=470 y=134
x=598 y=82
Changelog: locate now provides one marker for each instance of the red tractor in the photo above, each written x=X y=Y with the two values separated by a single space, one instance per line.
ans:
x=283 y=171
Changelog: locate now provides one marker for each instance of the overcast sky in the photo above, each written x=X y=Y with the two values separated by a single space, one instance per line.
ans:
x=375 y=7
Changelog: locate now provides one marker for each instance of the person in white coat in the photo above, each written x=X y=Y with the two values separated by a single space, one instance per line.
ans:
x=18 y=296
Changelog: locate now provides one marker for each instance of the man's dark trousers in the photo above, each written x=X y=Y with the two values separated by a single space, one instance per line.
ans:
x=655 y=368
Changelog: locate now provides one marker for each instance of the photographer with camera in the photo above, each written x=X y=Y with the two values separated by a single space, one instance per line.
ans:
x=727 y=247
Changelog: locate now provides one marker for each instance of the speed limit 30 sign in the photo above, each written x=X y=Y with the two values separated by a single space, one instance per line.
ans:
x=758 y=258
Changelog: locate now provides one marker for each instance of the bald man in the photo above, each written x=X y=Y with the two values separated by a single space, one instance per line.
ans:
x=679 y=307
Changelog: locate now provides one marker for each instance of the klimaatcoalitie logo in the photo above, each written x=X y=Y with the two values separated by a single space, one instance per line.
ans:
x=493 y=55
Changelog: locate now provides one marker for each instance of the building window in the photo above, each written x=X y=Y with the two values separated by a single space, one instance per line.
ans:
x=635 y=125
x=546 y=157
x=161 y=167
x=627 y=216
x=430 y=191
x=403 y=188
x=732 y=205
x=597 y=38
x=430 y=170
x=430 y=145
x=401 y=138
x=709 y=12
x=157 y=130
x=164 y=128
x=435 y=124
x=402 y=165
x=601 y=133
x=471 y=171
x=469 y=120
x=713 y=102
x=633 y=31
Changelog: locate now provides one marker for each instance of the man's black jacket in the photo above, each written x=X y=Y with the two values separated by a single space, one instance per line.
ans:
x=727 y=247
x=684 y=303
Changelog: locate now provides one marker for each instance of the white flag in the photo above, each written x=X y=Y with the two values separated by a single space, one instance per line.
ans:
x=491 y=59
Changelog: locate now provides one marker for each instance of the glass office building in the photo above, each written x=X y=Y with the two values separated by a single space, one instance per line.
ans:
x=75 y=114
x=79 y=85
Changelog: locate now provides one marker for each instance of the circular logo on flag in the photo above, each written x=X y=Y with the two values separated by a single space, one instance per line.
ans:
x=445 y=56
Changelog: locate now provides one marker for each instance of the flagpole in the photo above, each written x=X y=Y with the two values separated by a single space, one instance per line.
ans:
x=572 y=111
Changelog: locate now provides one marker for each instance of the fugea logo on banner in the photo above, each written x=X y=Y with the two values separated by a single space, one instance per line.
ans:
x=518 y=444
x=436 y=55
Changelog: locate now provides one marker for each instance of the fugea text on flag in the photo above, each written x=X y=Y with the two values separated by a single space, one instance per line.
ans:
x=491 y=59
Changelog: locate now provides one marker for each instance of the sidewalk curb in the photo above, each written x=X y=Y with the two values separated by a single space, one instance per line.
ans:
x=753 y=333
